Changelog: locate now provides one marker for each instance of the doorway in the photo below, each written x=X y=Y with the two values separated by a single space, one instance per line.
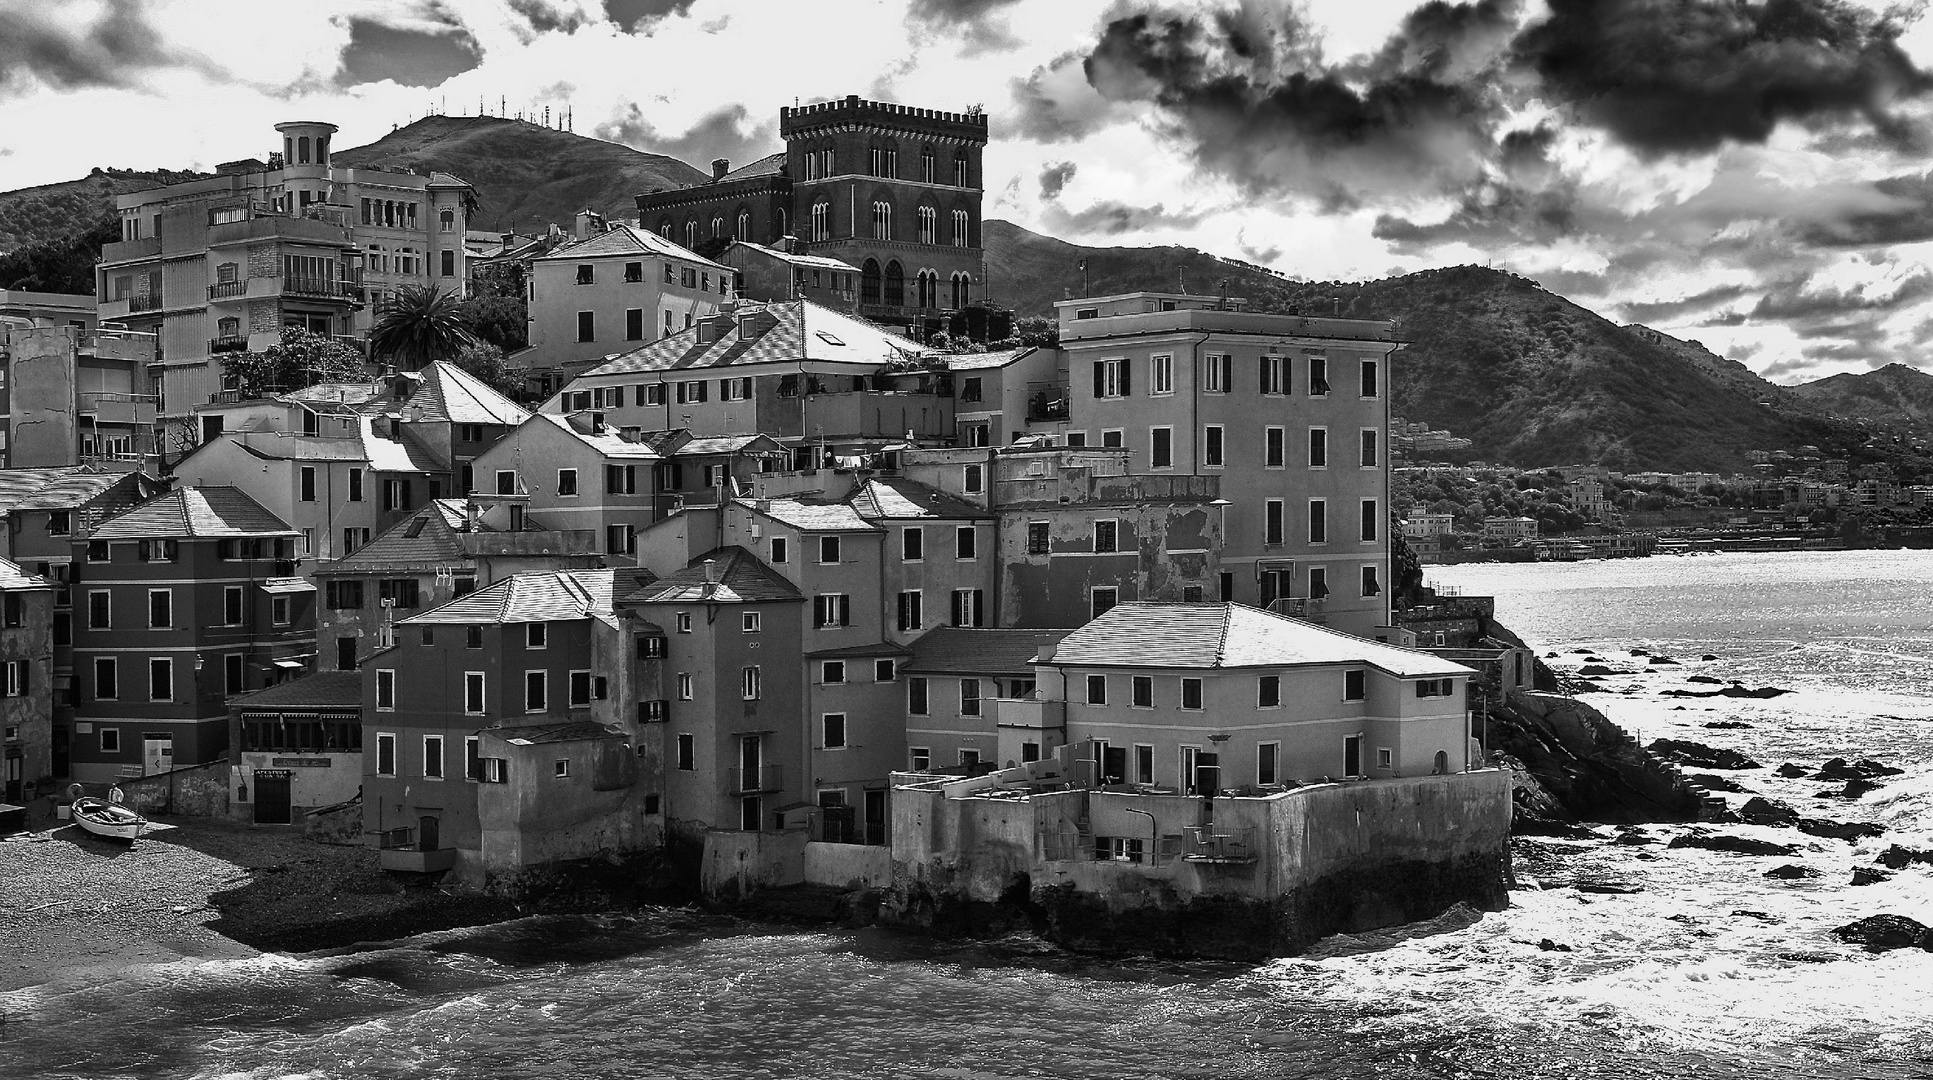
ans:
x=157 y=754
x=15 y=779
x=272 y=797
x=345 y=654
x=1352 y=756
x=875 y=817
x=426 y=833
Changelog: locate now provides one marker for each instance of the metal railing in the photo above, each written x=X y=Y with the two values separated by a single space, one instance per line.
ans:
x=150 y=302
x=225 y=289
x=764 y=778
x=232 y=343
x=1207 y=843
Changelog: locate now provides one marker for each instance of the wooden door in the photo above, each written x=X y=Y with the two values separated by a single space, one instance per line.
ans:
x=271 y=797
x=1352 y=756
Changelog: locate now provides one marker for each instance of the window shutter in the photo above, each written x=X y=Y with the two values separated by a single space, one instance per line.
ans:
x=959 y=618
x=1100 y=378
x=1125 y=367
x=979 y=607
x=1263 y=368
x=845 y=610
x=25 y=667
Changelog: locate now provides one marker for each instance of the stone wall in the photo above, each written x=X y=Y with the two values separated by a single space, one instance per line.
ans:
x=738 y=864
x=848 y=866
x=196 y=791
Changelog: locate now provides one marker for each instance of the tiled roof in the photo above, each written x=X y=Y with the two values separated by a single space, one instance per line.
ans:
x=333 y=689
x=884 y=648
x=735 y=576
x=985 y=360
x=894 y=497
x=730 y=444
x=452 y=394
x=550 y=596
x=401 y=455
x=629 y=240
x=434 y=542
x=609 y=443
x=561 y=731
x=964 y=651
x=1228 y=636
x=804 y=331
x=810 y=516
x=443 y=179
x=795 y=258
x=14 y=579
x=194 y=512
x=336 y=393
x=62 y=488
x=768 y=165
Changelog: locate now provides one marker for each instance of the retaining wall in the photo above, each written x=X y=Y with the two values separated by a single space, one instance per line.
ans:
x=194 y=791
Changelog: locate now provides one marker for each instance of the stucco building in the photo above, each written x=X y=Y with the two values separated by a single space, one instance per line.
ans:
x=26 y=683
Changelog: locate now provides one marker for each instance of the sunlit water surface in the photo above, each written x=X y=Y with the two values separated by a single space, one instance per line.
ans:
x=1711 y=970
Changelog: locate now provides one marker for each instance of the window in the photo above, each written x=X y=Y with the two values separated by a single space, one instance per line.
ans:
x=1141 y=691
x=60 y=522
x=1371 y=524
x=1272 y=368
x=912 y=544
x=1111 y=438
x=966 y=542
x=1318 y=582
x=1385 y=757
x=1371 y=586
x=106 y=680
x=308 y=483
x=1265 y=757
x=448 y=267
x=536 y=691
x=1097 y=690
x=385 y=754
x=433 y=757
x=234 y=679
x=832 y=609
x=778 y=550
x=882 y=221
x=928 y=223
x=821 y=228
x=1318 y=448
x=1161 y=375
x=974 y=479
x=750 y=683
x=1369 y=387
x=1101 y=600
x=684 y=686
x=650 y=393
x=750 y=622
x=693 y=392
x=567 y=482
x=1268 y=691
x=1107 y=535
x=685 y=756
x=828 y=550
x=587 y=326
x=97 y=551
x=1110 y=378
x=1161 y=452
x=884 y=671
x=536 y=635
x=832 y=730
x=1272 y=528
x=916 y=696
x=681 y=622
x=100 y=610
x=1191 y=694
x=1212 y=456
x=832 y=672
x=395 y=495
x=473 y=692
x=1038 y=542
x=969 y=607
x=1318 y=521
x=386 y=689
x=1318 y=376
x=506 y=482
x=1215 y=373
x=911 y=613
x=969 y=697
x=1355 y=685
x=620 y=539
x=355 y=485
x=919 y=758
x=161 y=607
x=962 y=229
x=620 y=479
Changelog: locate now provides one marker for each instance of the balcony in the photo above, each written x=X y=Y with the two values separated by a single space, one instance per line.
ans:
x=320 y=288
x=233 y=343
x=758 y=781
x=1046 y=401
x=1216 y=846
x=112 y=408
x=150 y=302
x=228 y=290
x=131 y=345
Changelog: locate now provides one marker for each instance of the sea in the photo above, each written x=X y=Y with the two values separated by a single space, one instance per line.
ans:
x=1709 y=969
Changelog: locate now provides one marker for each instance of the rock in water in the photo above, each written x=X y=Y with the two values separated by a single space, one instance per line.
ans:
x=1879 y=933
x=1791 y=872
x=1736 y=845
x=1792 y=770
x=1762 y=811
x=1837 y=830
x=1700 y=756
x=1726 y=725
x=1899 y=858
x=1866 y=875
x=1709 y=656
x=1715 y=782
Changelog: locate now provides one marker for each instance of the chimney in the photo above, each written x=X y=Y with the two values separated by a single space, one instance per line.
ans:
x=787 y=243
x=471 y=512
x=710 y=564
x=719 y=167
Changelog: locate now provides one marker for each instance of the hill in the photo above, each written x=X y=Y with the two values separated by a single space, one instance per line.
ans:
x=52 y=211
x=1895 y=395
x=526 y=175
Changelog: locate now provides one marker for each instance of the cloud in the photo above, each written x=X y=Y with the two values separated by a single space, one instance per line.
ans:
x=728 y=132
x=1055 y=103
x=1904 y=215
x=1665 y=76
x=631 y=15
x=1666 y=310
x=423 y=50
x=973 y=19
x=1111 y=216
x=544 y=18
x=1256 y=253
x=38 y=45
x=1054 y=178
x=1791 y=301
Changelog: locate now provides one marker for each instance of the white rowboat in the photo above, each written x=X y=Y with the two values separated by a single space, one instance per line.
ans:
x=105 y=819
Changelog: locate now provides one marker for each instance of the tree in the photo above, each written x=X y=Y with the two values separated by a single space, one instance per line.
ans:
x=498 y=319
x=487 y=362
x=422 y=325
x=63 y=264
x=1404 y=567
x=300 y=359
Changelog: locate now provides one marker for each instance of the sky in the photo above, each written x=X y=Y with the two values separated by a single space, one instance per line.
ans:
x=1750 y=174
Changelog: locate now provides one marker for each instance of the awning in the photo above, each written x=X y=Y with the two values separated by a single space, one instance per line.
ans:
x=290 y=664
x=287 y=585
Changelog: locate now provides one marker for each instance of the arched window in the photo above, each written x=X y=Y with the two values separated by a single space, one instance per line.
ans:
x=822 y=220
x=882 y=220
x=827 y=160
x=1442 y=763
x=892 y=159
x=302 y=147
x=717 y=226
x=960 y=168
x=664 y=227
x=869 y=282
x=895 y=285
x=929 y=225
x=929 y=171
x=876 y=160
x=960 y=232
x=691 y=233
x=962 y=289
x=448 y=220
x=743 y=230
x=785 y=224
x=927 y=289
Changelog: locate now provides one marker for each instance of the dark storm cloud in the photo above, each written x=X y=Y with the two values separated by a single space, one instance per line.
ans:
x=1054 y=178
x=114 y=50
x=630 y=15
x=408 y=55
x=1247 y=92
x=1791 y=301
x=977 y=20
x=543 y=18
x=1907 y=220
x=727 y=132
x=1668 y=76
x=1666 y=310
x=1864 y=332
x=1111 y=216
x=1263 y=256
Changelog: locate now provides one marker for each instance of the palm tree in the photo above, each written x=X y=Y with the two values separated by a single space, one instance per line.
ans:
x=421 y=325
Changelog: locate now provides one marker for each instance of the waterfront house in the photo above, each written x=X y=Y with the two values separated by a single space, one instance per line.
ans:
x=295 y=747
x=185 y=600
x=971 y=703
x=26 y=683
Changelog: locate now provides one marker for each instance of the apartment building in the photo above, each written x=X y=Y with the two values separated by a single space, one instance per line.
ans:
x=295 y=747
x=186 y=599
x=26 y=683
x=783 y=272
x=971 y=701
x=997 y=395
x=223 y=264
x=75 y=395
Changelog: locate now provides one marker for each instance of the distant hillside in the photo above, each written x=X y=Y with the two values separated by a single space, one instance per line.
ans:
x=1896 y=395
x=526 y=176
x=53 y=211
x=1529 y=377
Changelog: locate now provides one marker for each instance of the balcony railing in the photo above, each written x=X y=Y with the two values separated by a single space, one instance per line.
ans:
x=228 y=344
x=150 y=302
x=1046 y=401
x=325 y=288
x=223 y=290
x=1209 y=844
x=765 y=778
